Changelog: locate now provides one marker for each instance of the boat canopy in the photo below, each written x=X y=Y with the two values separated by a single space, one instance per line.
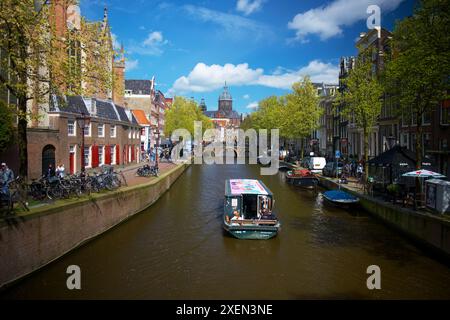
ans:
x=236 y=187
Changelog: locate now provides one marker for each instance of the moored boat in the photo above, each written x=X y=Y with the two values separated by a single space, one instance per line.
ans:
x=340 y=198
x=302 y=177
x=248 y=210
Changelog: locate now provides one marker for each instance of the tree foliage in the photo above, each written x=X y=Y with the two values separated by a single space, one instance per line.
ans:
x=183 y=114
x=302 y=112
x=295 y=114
x=417 y=73
x=38 y=58
x=361 y=99
x=6 y=126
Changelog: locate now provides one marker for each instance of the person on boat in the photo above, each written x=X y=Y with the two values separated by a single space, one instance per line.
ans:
x=264 y=205
x=236 y=217
x=268 y=216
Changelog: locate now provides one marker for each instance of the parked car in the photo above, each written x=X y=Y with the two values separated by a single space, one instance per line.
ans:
x=316 y=164
x=330 y=169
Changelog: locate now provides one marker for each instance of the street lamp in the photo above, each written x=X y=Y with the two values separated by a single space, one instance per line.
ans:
x=83 y=121
x=156 y=133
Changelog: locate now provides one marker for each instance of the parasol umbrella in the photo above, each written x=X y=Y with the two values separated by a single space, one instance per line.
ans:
x=423 y=174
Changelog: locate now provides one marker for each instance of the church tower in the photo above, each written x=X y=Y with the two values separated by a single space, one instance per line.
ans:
x=225 y=101
x=203 y=105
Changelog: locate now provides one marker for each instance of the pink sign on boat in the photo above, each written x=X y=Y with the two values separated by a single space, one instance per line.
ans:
x=246 y=186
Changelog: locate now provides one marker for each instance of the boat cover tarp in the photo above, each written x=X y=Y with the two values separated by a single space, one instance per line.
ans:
x=336 y=195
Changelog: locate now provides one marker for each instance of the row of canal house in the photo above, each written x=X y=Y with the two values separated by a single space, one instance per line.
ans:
x=111 y=137
x=338 y=133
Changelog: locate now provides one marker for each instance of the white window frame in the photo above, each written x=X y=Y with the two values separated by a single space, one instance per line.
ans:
x=89 y=164
x=113 y=153
x=129 y=154
x=113 y=129
x=74 y=125
x=89 y=130
x=129 y=133
x=103 y=130
x=101 y=155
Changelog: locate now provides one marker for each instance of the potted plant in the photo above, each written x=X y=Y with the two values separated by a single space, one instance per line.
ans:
x=394 y=191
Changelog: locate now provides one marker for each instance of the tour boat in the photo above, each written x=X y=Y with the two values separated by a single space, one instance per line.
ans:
x=302 y=177
x=248 y=210
x=340 y=198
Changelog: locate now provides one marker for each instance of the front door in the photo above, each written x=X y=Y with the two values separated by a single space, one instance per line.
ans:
x=72 y=160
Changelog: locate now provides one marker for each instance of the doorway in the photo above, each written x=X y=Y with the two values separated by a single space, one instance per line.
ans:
x=48 y=157
x=250 y=206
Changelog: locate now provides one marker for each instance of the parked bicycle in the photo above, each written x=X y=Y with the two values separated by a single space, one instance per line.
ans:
x=15 y=192
x=148 y=171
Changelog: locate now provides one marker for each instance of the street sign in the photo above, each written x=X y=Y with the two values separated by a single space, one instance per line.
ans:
x=338 y=154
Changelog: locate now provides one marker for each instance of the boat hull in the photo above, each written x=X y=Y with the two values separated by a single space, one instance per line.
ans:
x=346 y=202
x=303 y=182
x=252 y=232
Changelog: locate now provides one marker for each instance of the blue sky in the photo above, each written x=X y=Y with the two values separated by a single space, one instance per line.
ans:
x=260 y=47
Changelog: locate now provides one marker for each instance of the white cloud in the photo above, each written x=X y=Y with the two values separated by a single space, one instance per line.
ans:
x=206 y=78
x=246 y=96
x=248 y=6
x=233 y=25
x=153 y=39
x=152 y=45
x=131 y=64
x=253 y=105
x=327 y=21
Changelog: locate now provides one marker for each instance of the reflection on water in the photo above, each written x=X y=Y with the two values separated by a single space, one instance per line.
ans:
x=177 y=249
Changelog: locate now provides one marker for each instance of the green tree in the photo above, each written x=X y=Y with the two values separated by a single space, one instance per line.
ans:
x=6 y=126
x=268 y=114
x=296 y=114
x=302 y=112
x=417 y=73
x=361 y=100
x=37 y=59
x=182 y=115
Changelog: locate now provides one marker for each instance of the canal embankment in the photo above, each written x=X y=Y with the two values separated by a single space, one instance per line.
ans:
x=431 y=230
x=31 y=240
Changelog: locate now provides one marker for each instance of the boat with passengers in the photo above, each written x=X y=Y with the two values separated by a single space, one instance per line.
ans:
x=248 y=210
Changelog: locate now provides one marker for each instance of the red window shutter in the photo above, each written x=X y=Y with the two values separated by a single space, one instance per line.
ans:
x=117 y=154
x=132 y=153
x=95 y=156
x=126 y=154
x=107 y=154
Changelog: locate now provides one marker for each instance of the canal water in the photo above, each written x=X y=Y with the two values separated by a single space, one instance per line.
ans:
x=177 y=250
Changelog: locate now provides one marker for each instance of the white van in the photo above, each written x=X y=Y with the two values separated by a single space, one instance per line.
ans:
x=316 y=164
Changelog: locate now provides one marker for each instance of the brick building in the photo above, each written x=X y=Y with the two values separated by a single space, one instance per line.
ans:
x=112 y=136
x=53 y=135
x=142 y=95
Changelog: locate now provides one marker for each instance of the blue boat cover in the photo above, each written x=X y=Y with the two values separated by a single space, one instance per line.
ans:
x=339 y=195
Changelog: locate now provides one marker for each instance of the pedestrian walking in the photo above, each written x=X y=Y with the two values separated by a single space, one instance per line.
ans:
x=359 y=170
x=6 y=176
x=60 y=171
